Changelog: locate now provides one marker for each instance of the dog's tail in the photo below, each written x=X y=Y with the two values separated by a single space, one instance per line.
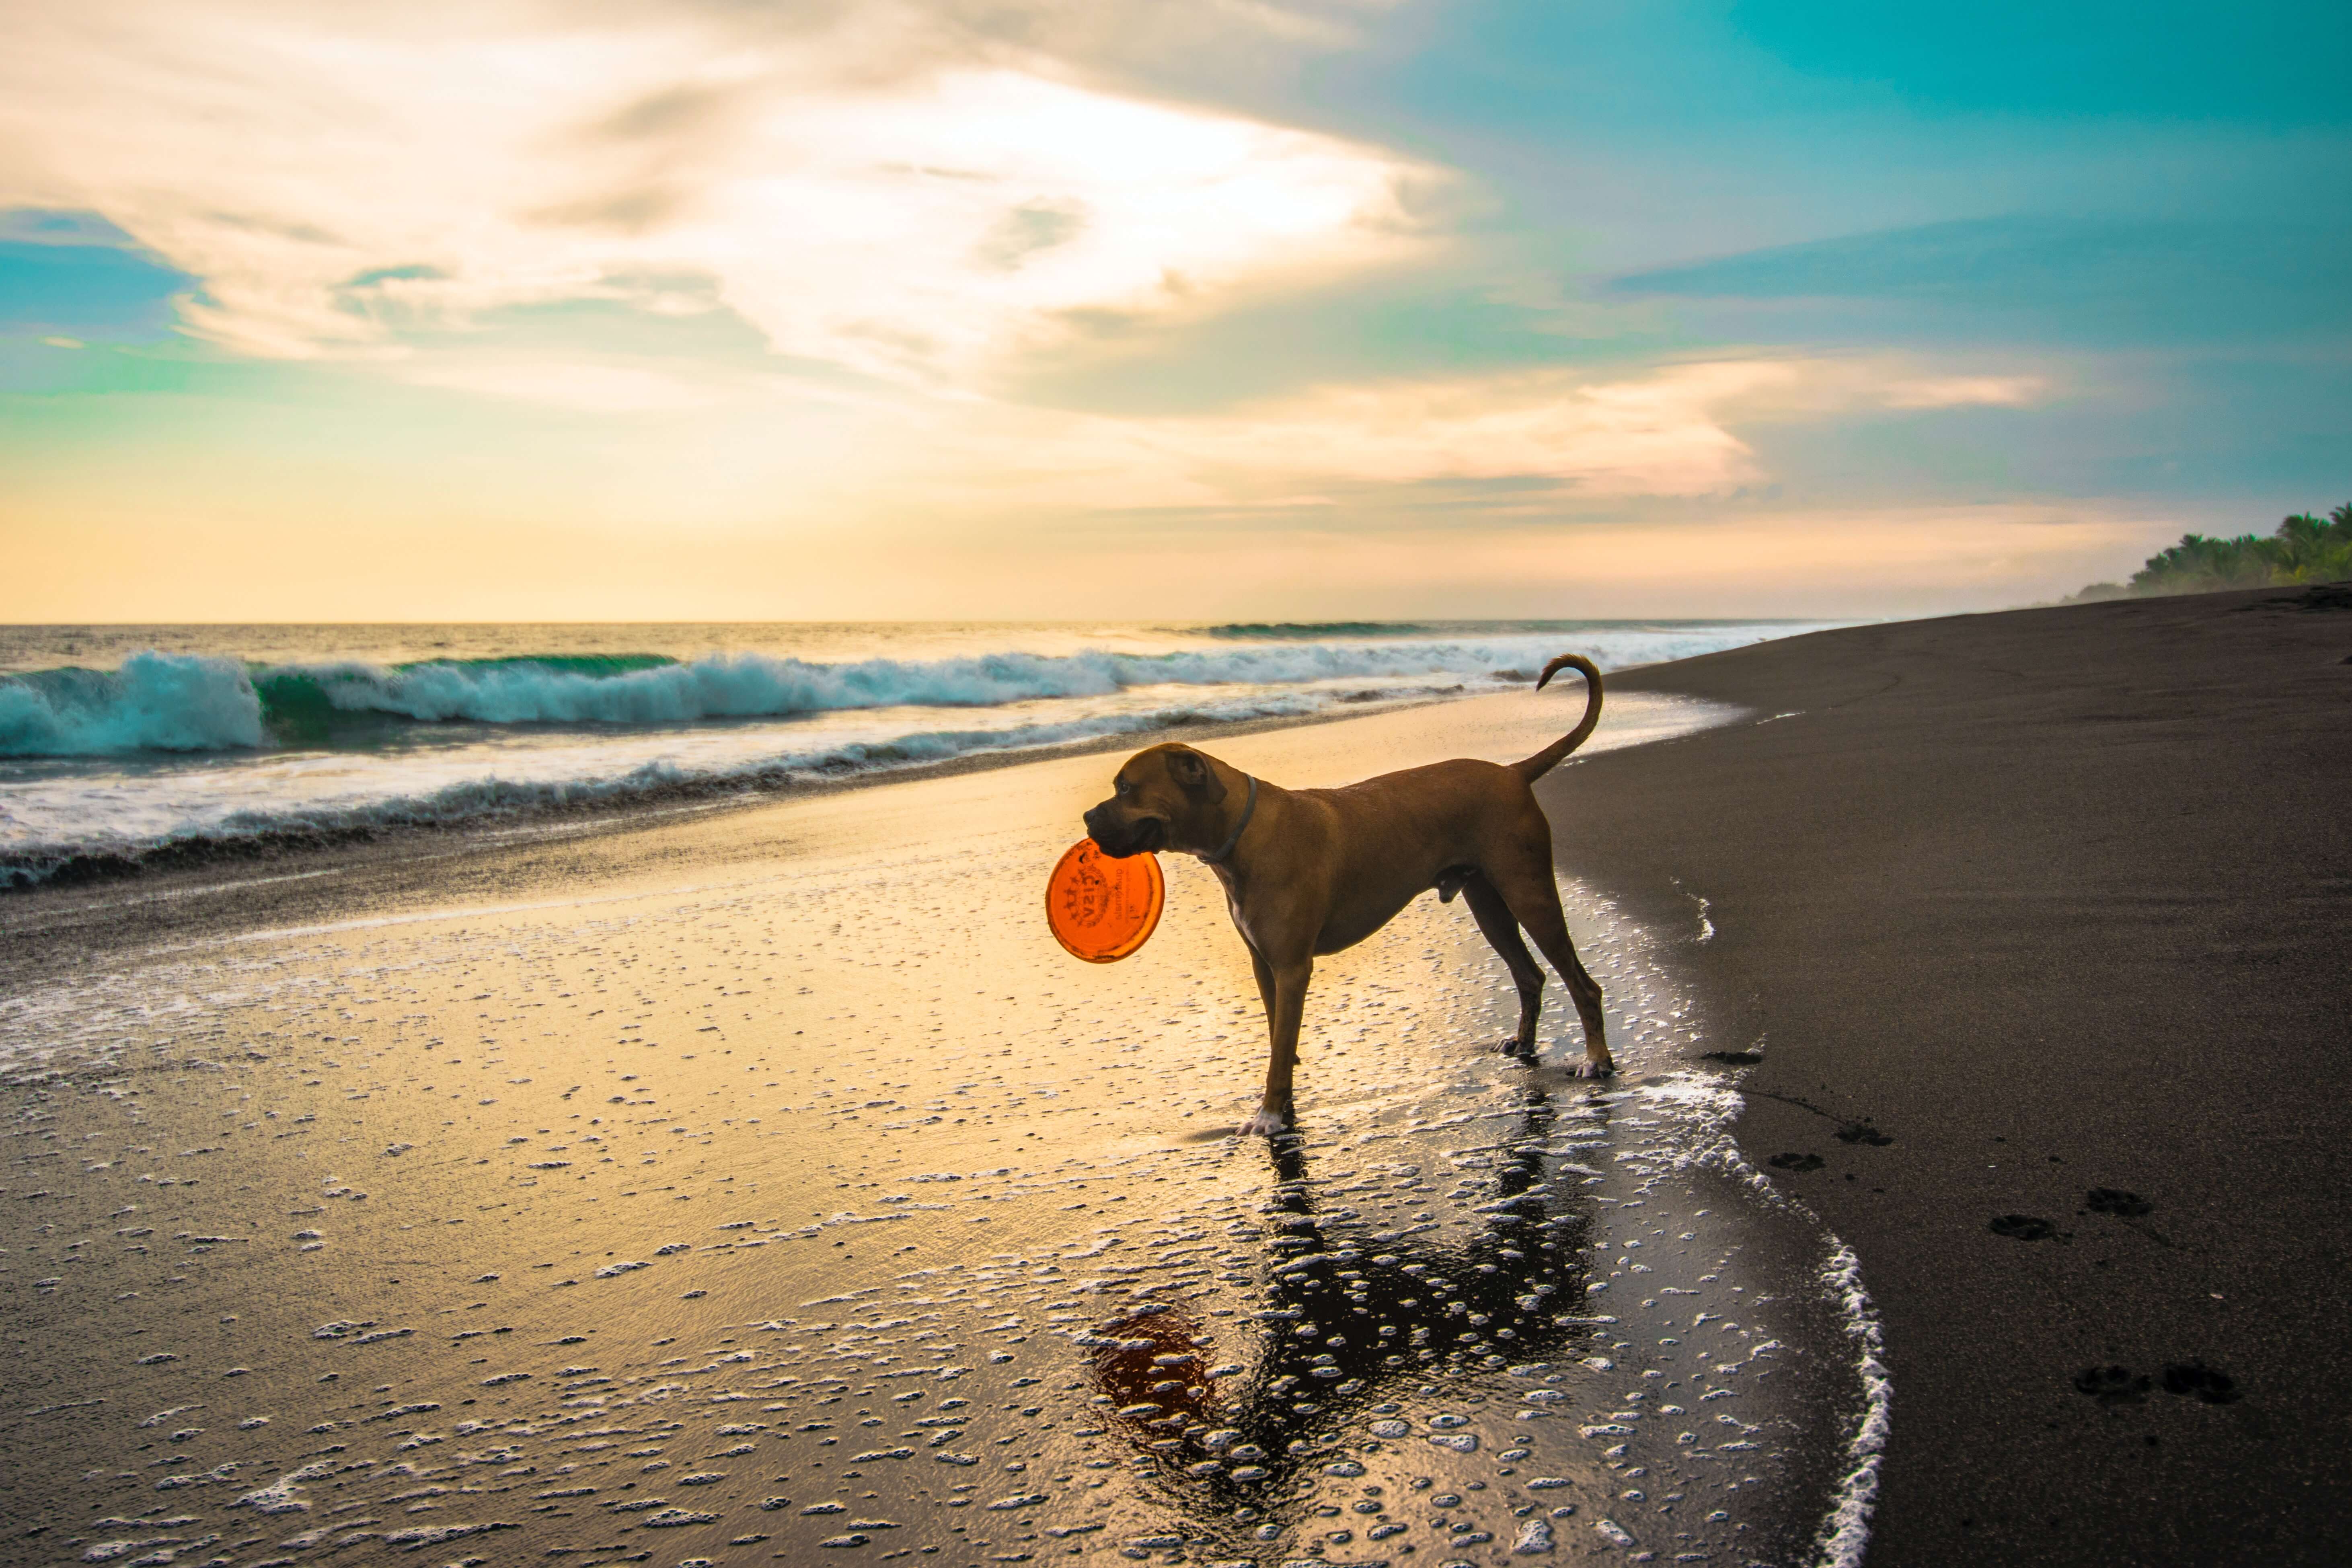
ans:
x=1543 y=761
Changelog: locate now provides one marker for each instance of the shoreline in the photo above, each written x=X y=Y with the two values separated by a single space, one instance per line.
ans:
x=2034 y=929
x=605 y=816
x=43 y=920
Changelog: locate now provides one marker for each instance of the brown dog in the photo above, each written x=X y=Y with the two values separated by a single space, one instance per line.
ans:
x=1313 y=871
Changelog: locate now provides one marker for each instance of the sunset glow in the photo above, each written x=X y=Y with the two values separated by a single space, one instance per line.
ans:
x=925 y=304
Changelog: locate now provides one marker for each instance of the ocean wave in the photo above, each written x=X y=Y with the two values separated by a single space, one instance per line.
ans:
x=154 y=702
x=310 y=705
x=184 y=703
x=127 y=831
x=760 y=686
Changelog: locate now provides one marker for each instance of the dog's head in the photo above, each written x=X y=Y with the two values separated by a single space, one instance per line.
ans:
x=1165 y=797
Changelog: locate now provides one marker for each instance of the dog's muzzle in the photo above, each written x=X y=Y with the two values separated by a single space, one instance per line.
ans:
x=1119 y=838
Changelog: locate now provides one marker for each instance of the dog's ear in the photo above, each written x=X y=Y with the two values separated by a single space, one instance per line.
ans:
x=1195 y=777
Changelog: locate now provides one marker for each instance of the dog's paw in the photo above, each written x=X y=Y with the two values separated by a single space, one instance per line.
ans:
x=1265 y=1124
x=1604 y=1068
x=1514 y=1047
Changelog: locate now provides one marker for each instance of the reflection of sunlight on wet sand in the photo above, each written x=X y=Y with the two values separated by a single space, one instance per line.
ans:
x=1361 y=1384
x=1347 y=1323
x=780 y=1184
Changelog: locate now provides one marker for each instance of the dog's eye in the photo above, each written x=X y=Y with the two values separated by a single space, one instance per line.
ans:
x=1120 y=786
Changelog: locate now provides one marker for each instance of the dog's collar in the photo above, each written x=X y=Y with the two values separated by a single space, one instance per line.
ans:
x=1249 y=808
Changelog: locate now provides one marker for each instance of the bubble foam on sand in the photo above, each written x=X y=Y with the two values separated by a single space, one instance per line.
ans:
x=831 y=1210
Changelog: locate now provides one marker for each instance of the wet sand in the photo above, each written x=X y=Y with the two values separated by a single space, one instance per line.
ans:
x=2040 y=924
x=743 y=1186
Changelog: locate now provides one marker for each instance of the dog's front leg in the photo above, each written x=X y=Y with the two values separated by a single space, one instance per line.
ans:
x=1284 y=988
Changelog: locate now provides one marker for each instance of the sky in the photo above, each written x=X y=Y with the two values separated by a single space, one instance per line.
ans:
x=656 y=310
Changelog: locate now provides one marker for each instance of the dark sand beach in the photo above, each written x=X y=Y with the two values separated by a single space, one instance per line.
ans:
x=2057 y=904
x=763 y=1184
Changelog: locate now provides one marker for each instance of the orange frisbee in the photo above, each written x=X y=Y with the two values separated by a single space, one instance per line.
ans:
x=1101 y=909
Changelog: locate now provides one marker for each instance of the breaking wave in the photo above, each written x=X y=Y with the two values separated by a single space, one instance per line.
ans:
x=185 y=702
x=137 y=827
x=155 y=702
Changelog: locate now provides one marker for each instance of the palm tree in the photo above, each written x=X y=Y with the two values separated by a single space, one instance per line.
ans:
x=2302 y=549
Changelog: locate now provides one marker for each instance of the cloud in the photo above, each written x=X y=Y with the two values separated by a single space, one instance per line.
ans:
x=2071 y=279
x=32 y=225
x=590 y=388
x=1966 y=391
x=1519 y=440
x=911 y=192
x=1376 y=453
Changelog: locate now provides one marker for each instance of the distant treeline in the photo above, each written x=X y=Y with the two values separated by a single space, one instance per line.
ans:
x=2304 y=549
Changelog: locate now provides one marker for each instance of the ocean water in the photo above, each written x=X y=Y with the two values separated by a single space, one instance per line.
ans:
x=119 y=743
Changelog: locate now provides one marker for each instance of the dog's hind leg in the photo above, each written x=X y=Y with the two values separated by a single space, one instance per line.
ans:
x=1534 y=899
x=1495 y=919
x=1283 y=987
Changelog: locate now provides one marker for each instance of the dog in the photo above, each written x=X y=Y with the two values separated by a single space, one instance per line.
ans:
x=1313 y=871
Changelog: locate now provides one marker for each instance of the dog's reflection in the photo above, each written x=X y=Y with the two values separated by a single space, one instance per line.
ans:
x=1349 y=1324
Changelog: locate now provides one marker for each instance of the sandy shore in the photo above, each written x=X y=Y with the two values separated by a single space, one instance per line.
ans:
x=747 y=1184
x=2041 y=925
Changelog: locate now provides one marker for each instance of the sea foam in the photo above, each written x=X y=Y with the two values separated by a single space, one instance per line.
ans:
x=760 y=686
